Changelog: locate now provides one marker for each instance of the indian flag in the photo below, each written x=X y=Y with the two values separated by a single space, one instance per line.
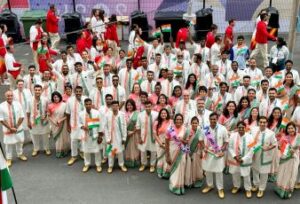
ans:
x=277 y=75
x=93 y=123
x=156 y=32
x=166 y=28
x=6 y=182
x=285 y=104
x=178 y=70
x=218 y=104
x=279 y=86
x=37 y=120
x=284 y=122
x=285 y=148
x=256 y=148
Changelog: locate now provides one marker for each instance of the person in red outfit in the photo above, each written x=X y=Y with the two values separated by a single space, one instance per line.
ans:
x=210 y=36
x=44 y=54
x=2 y=55
x=228 y=38
x=36 y=32
x=13 y=67
x=52 y=26
x=81 y=44
x=111 y=34
x=88 y=35
x=261 y=38
x=182 y=35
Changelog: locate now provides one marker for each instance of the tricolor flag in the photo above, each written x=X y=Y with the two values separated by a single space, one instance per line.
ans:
x=178 y=70
x=218 y=104
x=6 y=182
x=93 y=123
x=285 y=148
x=284 y=122
x=156 y=32
x=279 y=86
x=166 y=28
x=277 y=75
x=285 y=104
x=256 y=149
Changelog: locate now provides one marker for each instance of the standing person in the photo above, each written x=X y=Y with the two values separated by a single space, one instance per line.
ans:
x=279 y=53
x=229 y=117
x=210 y=37
x=145 y=130
x=132 y=153
x=52 y=26
x=35 y=34
x=23 y=96
x=75 y=105
x=98 y=93
x=289 y=161
x=116 y=135
x=186 y=107
x=215 y=51
x=240 y=159
x=92 y=131
x=240 y=52
x=38 y=121
x=255 y=74
x=32 y=78
x=111 y=34
x=13 y=68
x=177 y=140
x=128 y=77
x=117 y=91
x=11 y=118
x=228 y=37
x=56 y=113
x=264 y=139
x=197 y=178
x=160 y=130
x=261 y=38
x=215 y=141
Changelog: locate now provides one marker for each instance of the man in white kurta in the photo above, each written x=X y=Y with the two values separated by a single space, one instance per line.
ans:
x=38 y=122
x=75 y=105
x=266 y=106
x=214 y=148
x=202 y=113
x=149 y=84
x=116 y=135
x=97 y=94
x=92 y=132
x=167 y=86
x=11 y=118
x=117 y=91
x=128 y=77
x=32 y=78
x=240 y=155
x=144 y=126
x=262 y=161
x=23 y=96
x=186 y=107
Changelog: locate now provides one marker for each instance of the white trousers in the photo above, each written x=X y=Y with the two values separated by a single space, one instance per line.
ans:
x=152 y=158
x=9 y=149
x=111 y=160
x=36 y=139
x=75 y=145
x=236 y=180
x=87 y=159
x=219 y=179
x=35 y=60
x=54 y=38
x=260 y=180
x=261 y=52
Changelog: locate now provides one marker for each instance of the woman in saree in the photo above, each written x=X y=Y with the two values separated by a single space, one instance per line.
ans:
x=176 y=96
x=68 y=92
x=177 y=152
x=252 y=121
x=132 y=153
x=135 y=95
x=56 y=114
x=229 y=118
x=244 y=108
x=275 y=124
x=162 y=102
x=160 y=130
x=289 y=145
x=196 y=178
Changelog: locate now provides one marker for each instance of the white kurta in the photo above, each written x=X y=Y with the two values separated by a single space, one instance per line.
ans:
x=98 y=97
x=148 y=86
x=74 y=107
x=263 y=159
x=11 y=114
x=127 y=79
x=71 y=61
x=238 y=146
x=95 y=125
x=210 y=163
x=83 y=79
x=116 y=130
x=61 y=81
x=145 y=123
x=29 y=81
x=224 y=67
x=38 y=109
x=204 y=118
x=24 y=98
x=117 y=93
x=167 y=87
x=188 y=110
x=200 y=70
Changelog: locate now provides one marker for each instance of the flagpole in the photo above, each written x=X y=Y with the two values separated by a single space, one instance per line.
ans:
x=12 y=188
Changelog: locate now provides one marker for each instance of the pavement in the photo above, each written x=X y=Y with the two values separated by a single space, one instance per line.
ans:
x=47 y=180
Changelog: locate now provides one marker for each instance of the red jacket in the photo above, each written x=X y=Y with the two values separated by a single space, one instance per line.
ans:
x=88 y=37
x=182 y=35
x=210 y=39
x=2 y=48
x=52 y=22
x=262 y=34
x=81 y=45
x=228 y=36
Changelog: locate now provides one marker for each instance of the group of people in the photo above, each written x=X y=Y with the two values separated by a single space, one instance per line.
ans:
x=186 y=117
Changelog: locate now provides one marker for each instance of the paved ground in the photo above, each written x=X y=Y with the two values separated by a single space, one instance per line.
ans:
x=47 y=180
